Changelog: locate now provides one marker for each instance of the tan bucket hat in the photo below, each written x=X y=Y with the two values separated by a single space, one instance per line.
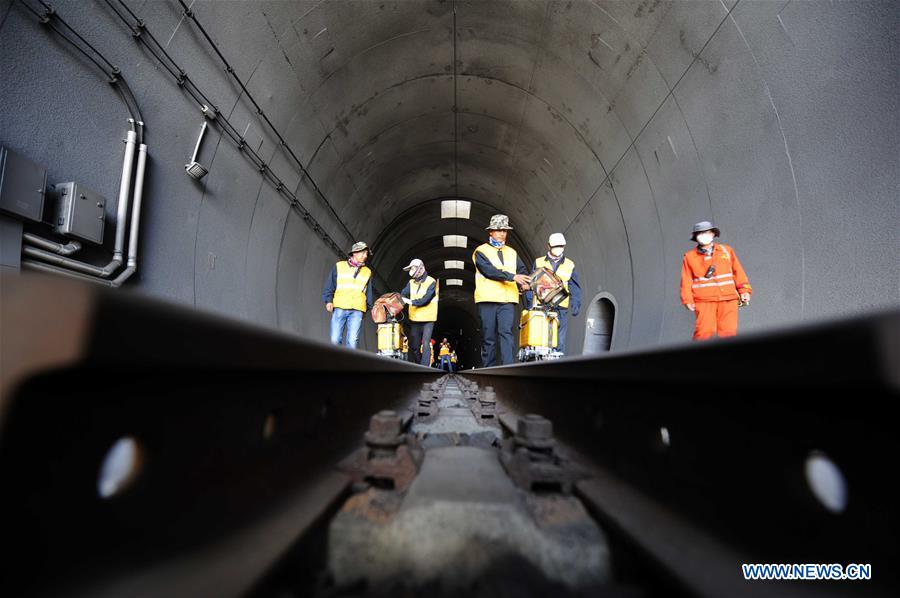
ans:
x=499 y=222
x=359 y=246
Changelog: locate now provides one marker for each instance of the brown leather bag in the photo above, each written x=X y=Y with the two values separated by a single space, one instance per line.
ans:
x=388 y=306
x=548 y=287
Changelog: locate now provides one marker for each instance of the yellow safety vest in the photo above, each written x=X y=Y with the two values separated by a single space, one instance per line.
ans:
x=496 y=291
x=428 y=312
x=445 y=350
x=351 y=290
x=564 y=272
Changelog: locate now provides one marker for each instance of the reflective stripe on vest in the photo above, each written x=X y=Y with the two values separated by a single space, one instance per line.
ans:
x=729 y=275
x=718 y=287
x=351 y=290
x=428 y=312
x=496 y=291
x=565 y=270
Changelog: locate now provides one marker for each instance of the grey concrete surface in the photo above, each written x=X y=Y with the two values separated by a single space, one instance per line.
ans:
x=617 y=122
x=460 y=518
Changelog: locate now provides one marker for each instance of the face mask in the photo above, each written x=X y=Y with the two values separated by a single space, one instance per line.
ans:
x=705 y=238
x=556 y=251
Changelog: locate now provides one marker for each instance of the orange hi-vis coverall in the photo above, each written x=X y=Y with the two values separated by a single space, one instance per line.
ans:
x=716 y=298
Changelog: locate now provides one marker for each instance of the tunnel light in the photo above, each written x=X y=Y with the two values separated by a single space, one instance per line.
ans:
x=453 y=265
x=453 y=282
x=455 y=240
x=455 y=208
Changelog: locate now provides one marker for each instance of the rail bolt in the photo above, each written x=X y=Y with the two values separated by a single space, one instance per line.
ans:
x=384 y=429
x=534 y=431
x=488 y=395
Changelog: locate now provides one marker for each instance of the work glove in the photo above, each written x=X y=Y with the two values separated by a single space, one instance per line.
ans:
x=407 y=300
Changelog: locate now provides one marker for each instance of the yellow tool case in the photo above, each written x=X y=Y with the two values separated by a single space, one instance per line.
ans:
x=390 y=336
x=538 y=328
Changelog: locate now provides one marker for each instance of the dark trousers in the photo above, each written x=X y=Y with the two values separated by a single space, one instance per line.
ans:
x=563 y=324
x=497 y=328
x=420 y=336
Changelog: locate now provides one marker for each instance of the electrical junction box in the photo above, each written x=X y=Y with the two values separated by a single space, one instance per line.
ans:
x=80 y=212
x=22 y=186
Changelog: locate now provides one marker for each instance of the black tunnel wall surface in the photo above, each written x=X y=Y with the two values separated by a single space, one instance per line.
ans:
x=618 y=123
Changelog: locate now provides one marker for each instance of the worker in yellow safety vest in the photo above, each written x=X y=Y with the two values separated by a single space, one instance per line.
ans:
x=499 y=273
x=558 y=263
x=421 y=294
x=444 y=355
x=348 y=295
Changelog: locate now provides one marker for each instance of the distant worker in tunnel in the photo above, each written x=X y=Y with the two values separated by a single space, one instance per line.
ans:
x=348 y=295
x=713 y=284
x=421 y=295
x=444 y=355
x=562 y=266
x=498 y=275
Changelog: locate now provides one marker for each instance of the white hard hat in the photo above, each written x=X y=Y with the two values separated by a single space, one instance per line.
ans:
x=415 y=264
x=557 y=240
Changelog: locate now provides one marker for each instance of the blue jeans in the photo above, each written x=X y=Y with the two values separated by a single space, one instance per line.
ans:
x=563 y=325
x=349 y=319
x=497 y=329
x=445 y=363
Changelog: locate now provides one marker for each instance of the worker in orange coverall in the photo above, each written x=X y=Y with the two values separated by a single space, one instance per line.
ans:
x=713 y=284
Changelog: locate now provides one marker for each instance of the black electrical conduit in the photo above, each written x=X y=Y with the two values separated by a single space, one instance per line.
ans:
x=141 y=33
x=113 y=73
x=230 y=69
x=115 y=77
x=53 y=256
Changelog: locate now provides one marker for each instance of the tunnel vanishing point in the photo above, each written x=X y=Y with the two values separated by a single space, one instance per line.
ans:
x=407 y=124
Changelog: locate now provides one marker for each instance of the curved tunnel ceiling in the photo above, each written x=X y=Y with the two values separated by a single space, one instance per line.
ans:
x=619 y=123
x=419 y=231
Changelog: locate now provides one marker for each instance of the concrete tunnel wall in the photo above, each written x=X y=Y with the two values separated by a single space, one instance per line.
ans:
x=618 y=123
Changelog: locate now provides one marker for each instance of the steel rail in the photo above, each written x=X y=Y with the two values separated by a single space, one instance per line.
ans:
x=239 y=429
